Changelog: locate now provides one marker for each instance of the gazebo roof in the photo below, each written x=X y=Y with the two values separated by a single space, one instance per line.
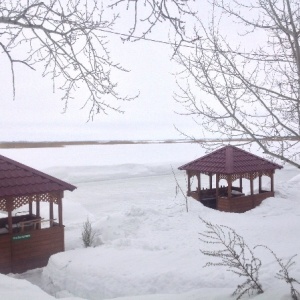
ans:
x=230 y=160
x=17 y=179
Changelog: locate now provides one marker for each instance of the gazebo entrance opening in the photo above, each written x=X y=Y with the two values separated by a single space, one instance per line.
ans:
x=230 y=179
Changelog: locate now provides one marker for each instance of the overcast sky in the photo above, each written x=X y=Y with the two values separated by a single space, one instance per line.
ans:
x=37 y=112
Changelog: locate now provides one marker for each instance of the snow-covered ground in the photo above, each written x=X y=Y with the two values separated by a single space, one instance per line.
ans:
x=147 y=245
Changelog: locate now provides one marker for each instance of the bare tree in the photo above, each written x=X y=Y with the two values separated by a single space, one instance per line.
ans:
x=246 y=86
x=68 y=40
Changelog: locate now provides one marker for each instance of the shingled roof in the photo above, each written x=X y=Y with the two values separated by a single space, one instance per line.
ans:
x=230 y=160
x=17 y=179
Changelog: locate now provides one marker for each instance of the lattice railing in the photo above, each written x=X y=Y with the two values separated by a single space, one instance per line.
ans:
x=3 y=204
x=245 y=175
x=19 y=201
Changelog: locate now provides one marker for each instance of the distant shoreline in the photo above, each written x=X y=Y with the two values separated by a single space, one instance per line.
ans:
x=59 y=144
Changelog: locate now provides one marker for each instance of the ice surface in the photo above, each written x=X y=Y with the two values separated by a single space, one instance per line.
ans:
x=147 y=245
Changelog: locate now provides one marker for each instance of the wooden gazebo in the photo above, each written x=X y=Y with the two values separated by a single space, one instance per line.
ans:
x=26 y=239
x=232 y=164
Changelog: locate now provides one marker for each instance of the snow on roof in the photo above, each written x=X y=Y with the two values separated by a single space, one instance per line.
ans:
x=17 y=179
x=230 y=160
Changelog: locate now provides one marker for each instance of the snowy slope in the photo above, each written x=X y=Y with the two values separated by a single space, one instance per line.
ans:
x=147 y=245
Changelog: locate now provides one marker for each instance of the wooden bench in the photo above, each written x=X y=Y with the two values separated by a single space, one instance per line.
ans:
x=34 y=224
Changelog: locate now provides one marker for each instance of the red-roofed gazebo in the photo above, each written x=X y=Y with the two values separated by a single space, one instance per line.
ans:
x=232 y=164
x=27 y=240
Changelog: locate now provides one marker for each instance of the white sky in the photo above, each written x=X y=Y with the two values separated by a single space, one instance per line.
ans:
x=36 y=113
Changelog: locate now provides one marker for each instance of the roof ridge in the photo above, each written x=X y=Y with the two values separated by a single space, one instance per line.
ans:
x=229 y=159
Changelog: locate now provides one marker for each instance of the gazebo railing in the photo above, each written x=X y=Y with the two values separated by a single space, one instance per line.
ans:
x=242 y=203
x=24 y=223
x=206 y=193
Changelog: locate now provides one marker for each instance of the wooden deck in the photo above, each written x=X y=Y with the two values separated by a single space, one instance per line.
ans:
x=29 y=247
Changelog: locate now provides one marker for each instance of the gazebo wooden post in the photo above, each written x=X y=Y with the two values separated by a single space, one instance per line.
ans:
x=51 y=211
x=217 y=185
x=259 y=183
x=251 y=184
x=37 y=210
x=199 y=186
x=229 y=188
x=60 y=209
x=210 y=181
x=189 y=182
x=241 y=183
x=217 y=190
x=37 y=206
x=252 y=189
x=272 y=181
x=30 y=205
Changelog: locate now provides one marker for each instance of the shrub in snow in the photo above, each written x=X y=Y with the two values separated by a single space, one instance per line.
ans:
x=235 y=255
x=284 y=274
x=87 y=234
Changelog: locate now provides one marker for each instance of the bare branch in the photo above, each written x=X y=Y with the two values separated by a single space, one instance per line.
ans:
x=247 y=92
x=149 y=13
x=68 y=41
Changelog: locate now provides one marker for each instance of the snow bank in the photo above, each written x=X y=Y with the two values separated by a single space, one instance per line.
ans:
x=147 y=245
x=14 y=289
